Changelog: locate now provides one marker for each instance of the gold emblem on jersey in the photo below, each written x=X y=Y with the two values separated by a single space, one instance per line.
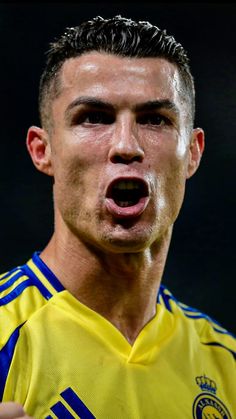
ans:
x=206 y=404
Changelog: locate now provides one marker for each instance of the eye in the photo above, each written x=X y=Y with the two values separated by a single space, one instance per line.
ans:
x=153 y=119
x=93 y=118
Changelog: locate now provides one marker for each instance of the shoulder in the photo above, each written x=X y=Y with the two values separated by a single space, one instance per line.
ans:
x=24 y=290
x=20 y=294
x=203 y=327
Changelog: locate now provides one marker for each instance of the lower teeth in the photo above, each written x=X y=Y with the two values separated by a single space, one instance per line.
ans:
x=125 y=203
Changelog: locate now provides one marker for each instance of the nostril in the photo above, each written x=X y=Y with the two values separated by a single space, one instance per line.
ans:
x=125 y=159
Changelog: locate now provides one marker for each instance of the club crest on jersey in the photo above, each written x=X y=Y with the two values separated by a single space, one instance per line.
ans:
x=206 y=404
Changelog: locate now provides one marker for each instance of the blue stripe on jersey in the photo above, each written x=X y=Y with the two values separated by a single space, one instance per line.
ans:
x=10 y=272
x=6 y=355
x=164 y=293
x=54 y=281
x=221 y=346
x=188 y=309
x=61 y=411
x=21 y=287
x=213 y=323
x=11 y=281
x=76 y=403
x=166 y=297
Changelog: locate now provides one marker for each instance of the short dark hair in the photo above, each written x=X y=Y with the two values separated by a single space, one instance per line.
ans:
x=119 y=36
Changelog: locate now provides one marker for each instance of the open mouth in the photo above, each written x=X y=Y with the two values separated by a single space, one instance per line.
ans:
x=127 y=192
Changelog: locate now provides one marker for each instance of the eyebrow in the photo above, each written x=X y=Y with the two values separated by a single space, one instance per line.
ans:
x=140 y=107
x=157 y=104
x=90 y=101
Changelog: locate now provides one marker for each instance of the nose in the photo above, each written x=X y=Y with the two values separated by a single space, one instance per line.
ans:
x=125 y=147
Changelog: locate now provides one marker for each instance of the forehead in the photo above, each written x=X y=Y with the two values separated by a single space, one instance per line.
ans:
x=119 y=79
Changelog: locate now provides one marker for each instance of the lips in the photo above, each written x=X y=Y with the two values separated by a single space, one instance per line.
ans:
x=127 y=197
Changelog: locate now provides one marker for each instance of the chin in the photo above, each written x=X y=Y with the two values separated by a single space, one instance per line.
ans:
x=128 y=238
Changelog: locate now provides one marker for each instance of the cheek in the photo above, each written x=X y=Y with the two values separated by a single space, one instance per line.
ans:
x=68 y=179
x=68 y=173
x=76 y=176
x=171 y=181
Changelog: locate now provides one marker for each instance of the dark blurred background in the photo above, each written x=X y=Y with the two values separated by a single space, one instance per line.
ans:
x=200 y=269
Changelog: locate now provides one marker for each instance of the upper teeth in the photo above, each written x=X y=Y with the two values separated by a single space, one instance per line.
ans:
x=127 y=184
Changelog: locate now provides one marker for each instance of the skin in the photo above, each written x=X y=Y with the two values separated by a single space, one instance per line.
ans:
x=112 y=265
x=12 y=410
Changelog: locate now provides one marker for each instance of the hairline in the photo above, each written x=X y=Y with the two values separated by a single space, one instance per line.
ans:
x=53 y=88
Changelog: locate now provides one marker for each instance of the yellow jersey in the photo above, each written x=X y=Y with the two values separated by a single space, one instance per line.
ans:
x=63 y=360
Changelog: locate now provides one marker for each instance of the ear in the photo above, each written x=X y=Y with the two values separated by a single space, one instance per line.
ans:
x=39 y=148
x=196 y=149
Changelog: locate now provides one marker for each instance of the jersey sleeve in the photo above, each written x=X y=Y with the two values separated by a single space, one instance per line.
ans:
x=214 y=335
x=19 y=372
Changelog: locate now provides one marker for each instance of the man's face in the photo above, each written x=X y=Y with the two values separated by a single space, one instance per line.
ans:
x=119 y=150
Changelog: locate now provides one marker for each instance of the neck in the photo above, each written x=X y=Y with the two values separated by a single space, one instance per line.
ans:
x=121 y=287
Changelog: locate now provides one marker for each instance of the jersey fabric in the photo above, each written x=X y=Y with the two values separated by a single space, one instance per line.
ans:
x=60 y=359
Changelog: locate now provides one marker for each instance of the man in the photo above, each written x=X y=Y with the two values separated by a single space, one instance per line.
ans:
x=88 y=330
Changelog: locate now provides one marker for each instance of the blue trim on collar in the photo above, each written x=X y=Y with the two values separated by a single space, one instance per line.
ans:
x=51 y=277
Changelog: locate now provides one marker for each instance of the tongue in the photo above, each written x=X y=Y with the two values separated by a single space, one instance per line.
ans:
x=126 y=209
x=123 y=204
